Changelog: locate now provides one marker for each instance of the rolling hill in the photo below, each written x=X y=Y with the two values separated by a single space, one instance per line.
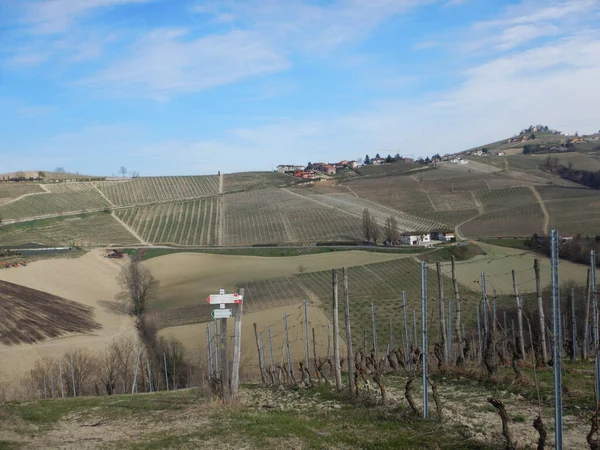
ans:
x=491 y=196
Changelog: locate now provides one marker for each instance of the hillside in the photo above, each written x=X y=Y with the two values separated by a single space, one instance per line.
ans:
x=490 y=196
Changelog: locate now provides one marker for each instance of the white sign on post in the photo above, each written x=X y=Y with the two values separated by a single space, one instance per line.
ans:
x=221 y=313
x=224 y=298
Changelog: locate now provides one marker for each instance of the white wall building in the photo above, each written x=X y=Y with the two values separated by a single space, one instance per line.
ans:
x=415 y=239
x=283 y=168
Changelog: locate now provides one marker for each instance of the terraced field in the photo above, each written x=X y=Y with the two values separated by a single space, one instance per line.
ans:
x=82 y=230
x=63 y=198
x=233 y=182
x=192 y=222
x=158 y=189
x=356 y=206
x=279 y=216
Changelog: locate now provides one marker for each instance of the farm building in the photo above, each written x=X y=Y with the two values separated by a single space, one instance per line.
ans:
x=284 y=168
x=415 y=238
x=377 y=161
x=326 y=168
x=445 y=236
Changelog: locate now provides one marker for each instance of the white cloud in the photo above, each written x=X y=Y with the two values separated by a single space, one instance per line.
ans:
x=525 y=22
x=57 y=16
x=165 y=62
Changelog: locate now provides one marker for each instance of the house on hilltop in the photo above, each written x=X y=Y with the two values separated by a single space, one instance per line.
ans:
x=285 y=168
x=377 y=161
x=329 y=169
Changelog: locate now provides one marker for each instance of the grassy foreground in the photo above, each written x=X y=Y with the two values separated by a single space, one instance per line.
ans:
x=262 y=418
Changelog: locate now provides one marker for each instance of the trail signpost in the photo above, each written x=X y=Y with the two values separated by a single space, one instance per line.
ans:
x=229 y=381
x=221 y=313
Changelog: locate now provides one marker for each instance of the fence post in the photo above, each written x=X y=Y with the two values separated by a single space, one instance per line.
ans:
x=262 y=355
x=336 y=333
x=306 y=346
x=494 y=318
x=166 y=371
x=449 y=331
x=51 y=382
x=315 y=360
x=351 y=385
x=149 y=375
x=271 y=353
x=424 y=328
x=225 y=376
x=519 y=315
x=374 y=331
x=556 y=331
x=217 y=348
x=211 y=369
x=406 y=332
x=479 y=349
x=237 y=345
x=260 y=364
x=287 y=347
x=442 y=310
x=541 y=318
x=586 y=324
x=573 y=327
x=459 y=337
x=504 y=337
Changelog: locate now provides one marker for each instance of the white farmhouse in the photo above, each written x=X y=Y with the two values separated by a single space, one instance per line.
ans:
x=415 y=239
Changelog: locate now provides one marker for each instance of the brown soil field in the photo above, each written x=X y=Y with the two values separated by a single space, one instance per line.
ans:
x=194 y=336
x=89 y=281
x=188 y=278
x=28 y=315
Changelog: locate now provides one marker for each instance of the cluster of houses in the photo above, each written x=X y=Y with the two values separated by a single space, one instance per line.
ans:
x=311 y=171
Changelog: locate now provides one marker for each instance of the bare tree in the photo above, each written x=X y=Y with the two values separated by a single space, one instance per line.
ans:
x=123 y=171
x=391 y=230
x=375 y=231
x=301 y=269
x=138 y=288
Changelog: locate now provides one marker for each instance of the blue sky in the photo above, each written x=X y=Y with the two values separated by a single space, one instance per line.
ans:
x=193 y=87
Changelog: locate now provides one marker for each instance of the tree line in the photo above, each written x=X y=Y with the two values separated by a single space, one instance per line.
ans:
x=372 y=232
x=576 y=250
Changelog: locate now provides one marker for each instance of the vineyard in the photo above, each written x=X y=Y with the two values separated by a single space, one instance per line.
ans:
x=158 y=189
x=192 y=222
x=28 y=315
x=81 y=230
x=13 y=190
x=523 y=220
x=503 y=198
x=573 y=210
x=401 y=193
x=378 y=283
x=62 y=199
x=356 y=206
x=245 y=181
x=279 y=216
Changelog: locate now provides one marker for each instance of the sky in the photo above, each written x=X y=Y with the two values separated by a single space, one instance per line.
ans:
x=167 y=87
